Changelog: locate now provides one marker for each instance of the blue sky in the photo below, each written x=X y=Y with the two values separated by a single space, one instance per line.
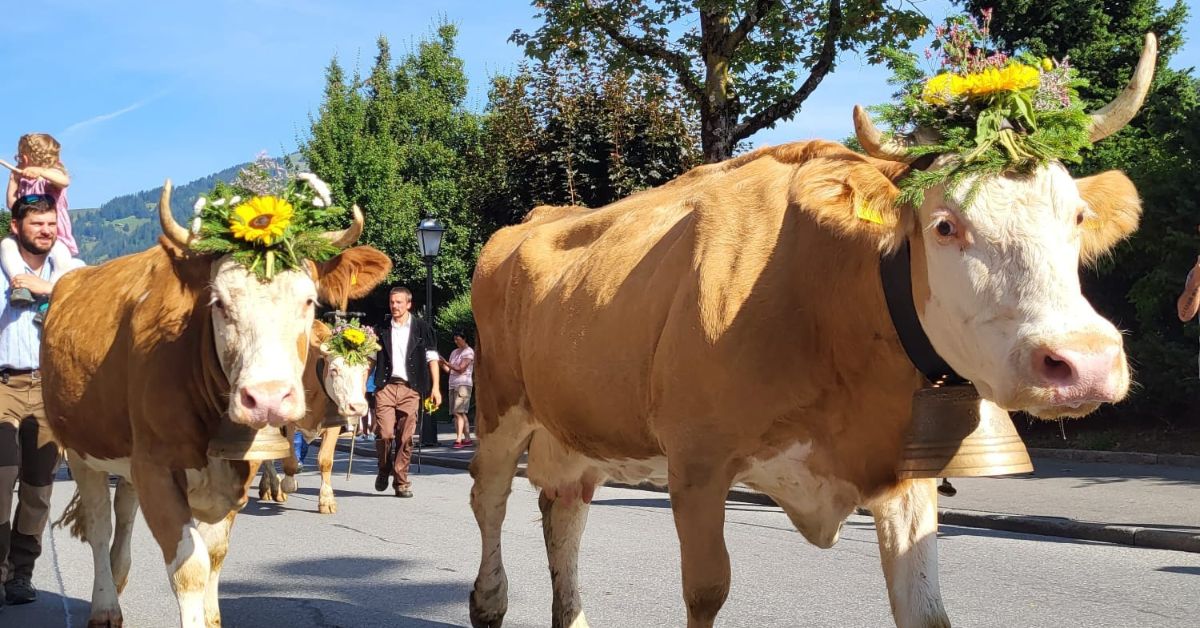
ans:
x=138 y=91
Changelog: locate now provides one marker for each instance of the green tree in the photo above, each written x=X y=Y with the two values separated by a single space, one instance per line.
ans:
x=565 y=134
x=398 y=144
x=1159 y=150
x=738 y=61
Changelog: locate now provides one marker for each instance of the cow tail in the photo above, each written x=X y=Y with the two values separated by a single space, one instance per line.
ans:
x=72 y=516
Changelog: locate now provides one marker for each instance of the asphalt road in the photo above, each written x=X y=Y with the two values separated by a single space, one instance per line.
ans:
x=383 y=561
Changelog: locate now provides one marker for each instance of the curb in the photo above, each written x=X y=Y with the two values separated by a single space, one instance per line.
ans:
x=1116 y=457
x=1063 y=527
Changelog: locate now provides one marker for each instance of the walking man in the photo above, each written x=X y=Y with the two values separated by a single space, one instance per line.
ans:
x=27 y=452
x=406 y=369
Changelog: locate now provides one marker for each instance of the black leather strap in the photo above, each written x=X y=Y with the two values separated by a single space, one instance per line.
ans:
x=895 y=271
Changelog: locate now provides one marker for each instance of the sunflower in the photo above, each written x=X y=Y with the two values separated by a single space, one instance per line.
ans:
x=355 y=336
x=1012 y=78
x=943 y=88
x=261 y=219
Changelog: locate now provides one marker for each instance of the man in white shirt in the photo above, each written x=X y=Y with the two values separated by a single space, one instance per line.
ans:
x=406 y=369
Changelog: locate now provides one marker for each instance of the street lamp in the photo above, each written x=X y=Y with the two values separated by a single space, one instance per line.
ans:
x=429 y=238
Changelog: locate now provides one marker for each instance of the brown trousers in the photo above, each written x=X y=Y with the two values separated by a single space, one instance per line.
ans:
x=396 y=408
x=27 y=453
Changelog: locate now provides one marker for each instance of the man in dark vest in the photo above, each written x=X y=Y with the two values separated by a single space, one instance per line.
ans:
x=406 y=370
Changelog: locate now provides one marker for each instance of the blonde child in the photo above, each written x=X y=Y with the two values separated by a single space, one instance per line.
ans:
x=39 y=170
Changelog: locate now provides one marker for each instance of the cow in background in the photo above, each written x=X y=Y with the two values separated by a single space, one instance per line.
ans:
x=144 y=357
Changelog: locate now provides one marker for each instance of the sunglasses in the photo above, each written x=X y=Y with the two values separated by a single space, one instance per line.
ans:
x=30 y=199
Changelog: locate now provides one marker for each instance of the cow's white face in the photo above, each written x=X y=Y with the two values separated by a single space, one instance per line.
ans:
x=346 y=386
x=1004 y=306
x=261 y=332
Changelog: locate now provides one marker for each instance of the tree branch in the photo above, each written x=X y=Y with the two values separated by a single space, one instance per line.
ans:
x=786 y=106
x=749 y=21
x=647 y=47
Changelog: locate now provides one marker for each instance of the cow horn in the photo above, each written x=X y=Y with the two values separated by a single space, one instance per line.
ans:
x=873 y=142
x=174 y=232
x=349 y=235
x=1116 y=114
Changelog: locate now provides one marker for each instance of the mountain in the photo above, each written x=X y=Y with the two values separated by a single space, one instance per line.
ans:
x=129 y=224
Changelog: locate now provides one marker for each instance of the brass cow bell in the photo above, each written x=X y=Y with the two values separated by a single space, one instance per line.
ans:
x=956 y=433
x=234 y=441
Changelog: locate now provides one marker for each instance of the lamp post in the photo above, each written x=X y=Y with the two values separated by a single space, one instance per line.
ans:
x=429 y=238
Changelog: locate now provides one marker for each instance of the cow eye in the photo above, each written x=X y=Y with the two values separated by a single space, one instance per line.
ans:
x=1079 y=218
x=945 y=229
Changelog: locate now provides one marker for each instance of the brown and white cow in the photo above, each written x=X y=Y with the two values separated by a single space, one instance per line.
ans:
x=142 y=358
x=730 y=326
x=335 y=389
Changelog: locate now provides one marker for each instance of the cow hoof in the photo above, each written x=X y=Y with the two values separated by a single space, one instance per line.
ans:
x=110 y=619
x=487 y=618
x=289 y=484
x=281 y=496
x=329 y=508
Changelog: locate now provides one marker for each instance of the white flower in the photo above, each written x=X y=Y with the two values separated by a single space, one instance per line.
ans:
x=199 y=206
x=196 y=226
x=317 y=185
x=219 y=202
x=235 y=200
x=317 y=202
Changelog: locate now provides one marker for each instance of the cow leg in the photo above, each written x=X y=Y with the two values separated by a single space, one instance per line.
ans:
x=698 y=489
x=126 y=507
x=169 y=518
x=216 y=537
x=906 y=524
x=563 y=520
x=92 y=522
x=326 y=504
x=291 y=466
x=492 y=469
x=269 y=487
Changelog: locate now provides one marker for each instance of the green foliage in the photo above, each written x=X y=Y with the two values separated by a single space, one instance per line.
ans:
x=398 y=143
x=561 y=135
x=1137 y=285
x=743 y=64
x=456 y=315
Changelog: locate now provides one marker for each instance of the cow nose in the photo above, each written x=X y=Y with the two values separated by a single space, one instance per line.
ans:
x=357 y=409
x=268 y=402
x=1078 y=375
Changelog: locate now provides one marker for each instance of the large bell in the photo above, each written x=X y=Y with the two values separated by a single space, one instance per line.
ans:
x=235 y=441
x=956 y=433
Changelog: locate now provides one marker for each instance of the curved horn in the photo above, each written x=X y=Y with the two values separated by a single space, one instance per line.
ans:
x=873 y=142
x=1116 y=114
x=174 y=232
x=349 y=235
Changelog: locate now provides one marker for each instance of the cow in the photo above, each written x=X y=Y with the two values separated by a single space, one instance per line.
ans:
x=731 y=326
x=143 y=358
x=335 y=389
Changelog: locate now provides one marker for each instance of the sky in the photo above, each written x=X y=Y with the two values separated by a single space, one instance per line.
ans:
x=139 y=91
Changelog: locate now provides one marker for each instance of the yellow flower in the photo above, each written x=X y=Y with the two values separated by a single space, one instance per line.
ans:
x=1012 y=78
x=355 y=336
x=943 y=88
x=1047 y=64
x=261 y=219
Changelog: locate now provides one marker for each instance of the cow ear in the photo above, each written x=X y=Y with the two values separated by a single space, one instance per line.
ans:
x=320 y=333
x=351 y=274
x=1114 y=211
x=854 y=196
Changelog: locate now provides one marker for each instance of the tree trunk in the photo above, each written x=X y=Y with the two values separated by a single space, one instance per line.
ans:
x=718 y=112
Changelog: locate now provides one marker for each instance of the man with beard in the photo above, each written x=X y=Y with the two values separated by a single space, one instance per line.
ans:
x=27 y=451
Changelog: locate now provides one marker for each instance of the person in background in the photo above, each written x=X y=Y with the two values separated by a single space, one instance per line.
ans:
x=28 y=453
x=406 y=370
x=39 y=170
x=461 y=367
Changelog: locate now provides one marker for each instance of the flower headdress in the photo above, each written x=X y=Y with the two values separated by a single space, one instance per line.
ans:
x=267 y=230
x=989 y=112
x=353 y=341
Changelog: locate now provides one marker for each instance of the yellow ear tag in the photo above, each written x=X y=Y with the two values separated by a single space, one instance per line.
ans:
x=354 y=278
x=868 y=213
